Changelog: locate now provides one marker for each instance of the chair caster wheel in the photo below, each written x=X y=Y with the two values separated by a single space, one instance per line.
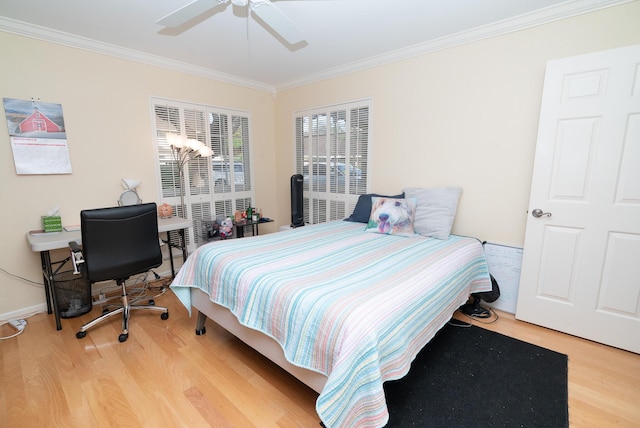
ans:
x=81 y=334
x=164 y=315
x=201 y=331
x=152 y=302
x=123 y=337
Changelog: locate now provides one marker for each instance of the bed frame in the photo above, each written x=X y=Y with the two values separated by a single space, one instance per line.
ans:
x=262 y=343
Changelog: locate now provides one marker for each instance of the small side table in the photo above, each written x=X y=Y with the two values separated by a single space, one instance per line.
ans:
x=239 y=226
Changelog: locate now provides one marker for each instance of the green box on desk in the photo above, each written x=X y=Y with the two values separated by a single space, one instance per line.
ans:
x=52 y=223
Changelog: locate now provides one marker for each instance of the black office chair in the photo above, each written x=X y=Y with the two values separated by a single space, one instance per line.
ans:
x=116 y=243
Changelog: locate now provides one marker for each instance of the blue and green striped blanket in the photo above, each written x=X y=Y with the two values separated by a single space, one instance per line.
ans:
x=354 y=306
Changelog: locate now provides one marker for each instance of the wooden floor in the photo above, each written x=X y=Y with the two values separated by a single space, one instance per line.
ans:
x=166 y=376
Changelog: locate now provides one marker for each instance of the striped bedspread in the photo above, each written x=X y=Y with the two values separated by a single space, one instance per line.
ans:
x=354 y=306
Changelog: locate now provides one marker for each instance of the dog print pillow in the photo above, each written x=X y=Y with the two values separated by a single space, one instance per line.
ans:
x=391 y=216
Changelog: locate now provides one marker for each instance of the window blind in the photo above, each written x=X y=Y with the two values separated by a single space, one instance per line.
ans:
x=332 y=154
x=216 y=186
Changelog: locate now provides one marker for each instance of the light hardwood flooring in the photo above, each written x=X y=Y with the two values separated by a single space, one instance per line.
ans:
x=166 y=376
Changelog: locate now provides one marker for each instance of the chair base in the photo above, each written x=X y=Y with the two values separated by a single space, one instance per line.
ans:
x=124 y=309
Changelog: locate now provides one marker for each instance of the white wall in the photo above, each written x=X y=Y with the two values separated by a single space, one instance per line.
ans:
x=464 y=116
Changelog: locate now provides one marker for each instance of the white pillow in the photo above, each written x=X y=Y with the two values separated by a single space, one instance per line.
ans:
x=435 y=210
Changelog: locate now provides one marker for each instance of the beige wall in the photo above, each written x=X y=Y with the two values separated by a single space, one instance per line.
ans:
x=106 y=105
x=464 y=116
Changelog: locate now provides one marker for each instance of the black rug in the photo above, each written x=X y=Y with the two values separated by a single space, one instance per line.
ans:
x=472 y=377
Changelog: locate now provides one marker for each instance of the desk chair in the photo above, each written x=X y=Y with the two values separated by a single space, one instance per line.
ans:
x=116 y=243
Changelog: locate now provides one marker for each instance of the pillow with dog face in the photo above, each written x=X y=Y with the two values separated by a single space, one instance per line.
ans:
x=392 y=216
x=362 y=211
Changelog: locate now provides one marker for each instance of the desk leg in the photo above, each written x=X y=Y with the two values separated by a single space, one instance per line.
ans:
x=173 y=270
x=183 y=246
x=183 y=243
x=47 y=273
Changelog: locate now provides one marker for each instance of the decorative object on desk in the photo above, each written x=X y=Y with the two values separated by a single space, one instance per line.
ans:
x=212 y=229
x=52 y=222
x=165 y=210
x=185 y=149
x=226 y=228
x=238 y=216
x=130 y=195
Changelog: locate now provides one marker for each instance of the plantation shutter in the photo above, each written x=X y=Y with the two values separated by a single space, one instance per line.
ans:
x=215 y=187
x=332 y=154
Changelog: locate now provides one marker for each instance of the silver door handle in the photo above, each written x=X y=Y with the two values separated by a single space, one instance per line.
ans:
x=537 y=213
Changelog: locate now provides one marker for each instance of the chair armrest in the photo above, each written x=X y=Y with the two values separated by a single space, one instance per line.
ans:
x=76 y=256
x=74 y=247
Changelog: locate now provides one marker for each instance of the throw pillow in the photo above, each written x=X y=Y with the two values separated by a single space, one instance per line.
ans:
x=435 y=210
x=392 y=216
x=362 y=211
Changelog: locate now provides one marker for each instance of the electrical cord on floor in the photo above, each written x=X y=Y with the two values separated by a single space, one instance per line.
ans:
x=458 y=323
x=493 y=317
x=18 y=324
x=139 y=290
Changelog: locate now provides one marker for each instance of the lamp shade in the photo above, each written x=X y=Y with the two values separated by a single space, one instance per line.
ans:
x=130 y=184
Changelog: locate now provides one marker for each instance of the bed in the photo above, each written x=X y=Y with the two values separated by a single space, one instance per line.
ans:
x=340 y=309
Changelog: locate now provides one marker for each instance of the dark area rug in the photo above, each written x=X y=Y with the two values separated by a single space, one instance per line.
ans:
x=472 y=377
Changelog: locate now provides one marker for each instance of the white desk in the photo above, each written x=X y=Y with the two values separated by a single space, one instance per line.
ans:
x=43 y=243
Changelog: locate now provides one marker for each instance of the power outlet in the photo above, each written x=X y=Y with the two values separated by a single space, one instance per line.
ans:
x=18 y=324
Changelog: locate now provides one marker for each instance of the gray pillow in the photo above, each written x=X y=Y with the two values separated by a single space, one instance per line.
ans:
x=435 y=210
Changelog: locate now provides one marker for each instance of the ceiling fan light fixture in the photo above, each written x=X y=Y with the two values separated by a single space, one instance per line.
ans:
x=264 y=10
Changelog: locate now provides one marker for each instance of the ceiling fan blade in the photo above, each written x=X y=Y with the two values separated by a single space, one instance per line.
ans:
x=277 y=20
x=189 y=12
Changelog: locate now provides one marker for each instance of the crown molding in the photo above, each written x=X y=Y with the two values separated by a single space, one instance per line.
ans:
x=59 y=37
x=543 y=16
x=558 y=12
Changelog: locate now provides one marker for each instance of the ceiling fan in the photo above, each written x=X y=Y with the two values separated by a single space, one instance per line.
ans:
x=263 y=9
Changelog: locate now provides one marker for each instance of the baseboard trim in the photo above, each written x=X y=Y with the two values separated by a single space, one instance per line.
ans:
x=23 y=313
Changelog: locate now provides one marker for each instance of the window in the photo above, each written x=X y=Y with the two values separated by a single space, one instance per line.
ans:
x=332 y=154
x=216 y=186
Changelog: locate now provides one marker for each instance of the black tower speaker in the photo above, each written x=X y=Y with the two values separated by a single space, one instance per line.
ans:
x=297 y=208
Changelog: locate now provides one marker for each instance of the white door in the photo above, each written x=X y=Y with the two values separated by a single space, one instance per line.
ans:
x=581 y=260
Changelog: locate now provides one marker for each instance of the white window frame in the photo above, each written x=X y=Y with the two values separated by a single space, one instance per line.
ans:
x=215 y=189
x=329 y=141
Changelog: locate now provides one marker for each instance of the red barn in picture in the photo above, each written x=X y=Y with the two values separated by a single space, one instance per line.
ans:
x=38 y=122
